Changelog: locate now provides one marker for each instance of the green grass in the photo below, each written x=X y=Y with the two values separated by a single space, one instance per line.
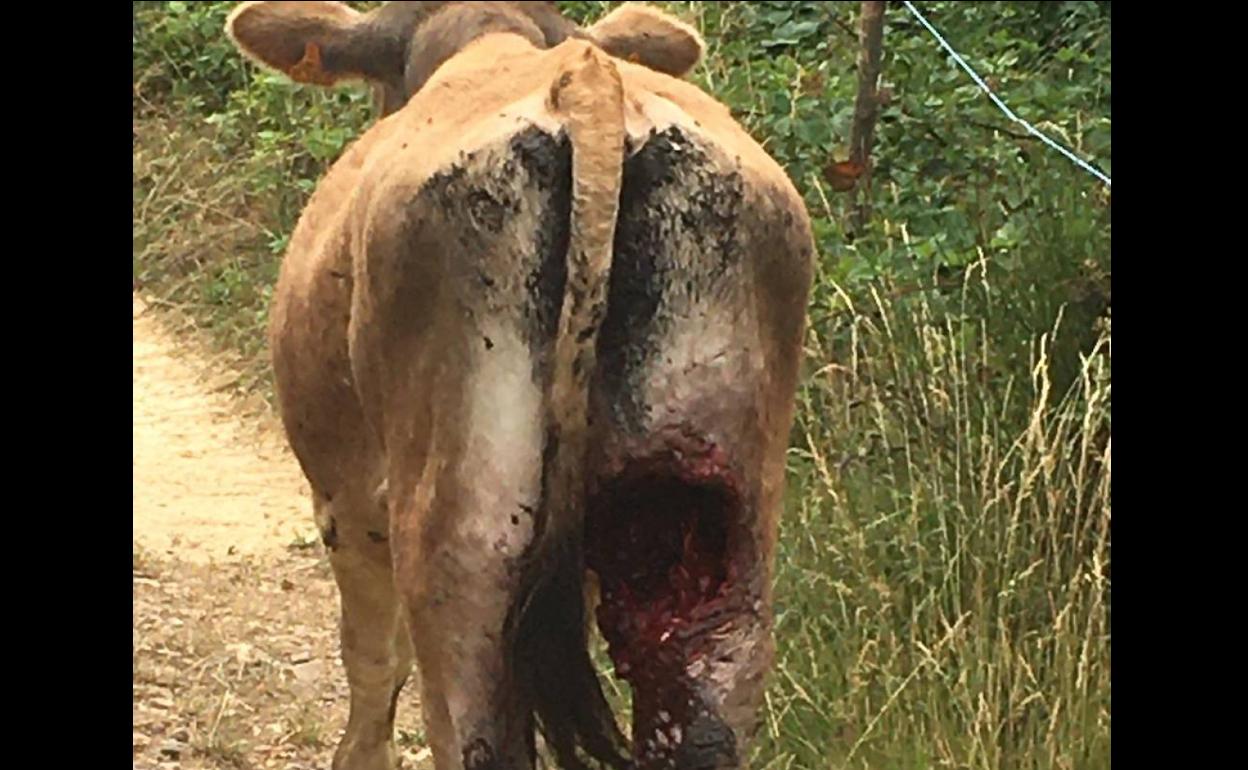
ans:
x=943 y=576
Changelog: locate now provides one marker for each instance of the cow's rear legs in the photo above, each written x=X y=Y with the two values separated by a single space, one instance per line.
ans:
x=476 y=713
x=376 y=647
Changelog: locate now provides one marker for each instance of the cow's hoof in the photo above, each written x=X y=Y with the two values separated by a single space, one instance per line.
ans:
x=352 y=755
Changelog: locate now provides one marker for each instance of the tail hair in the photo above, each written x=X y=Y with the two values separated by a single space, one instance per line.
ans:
x=552 y=641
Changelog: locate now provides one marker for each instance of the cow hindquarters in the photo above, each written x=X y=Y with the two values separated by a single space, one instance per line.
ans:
x=455 y=310
x=691 y=410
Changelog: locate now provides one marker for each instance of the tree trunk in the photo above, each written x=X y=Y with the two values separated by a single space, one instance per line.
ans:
x=866 y=106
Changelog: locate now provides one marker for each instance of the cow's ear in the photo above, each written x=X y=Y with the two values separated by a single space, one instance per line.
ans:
x=311 y=41
x=649 y=37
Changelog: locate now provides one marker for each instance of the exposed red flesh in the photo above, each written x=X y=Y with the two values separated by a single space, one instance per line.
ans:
x=663 y=538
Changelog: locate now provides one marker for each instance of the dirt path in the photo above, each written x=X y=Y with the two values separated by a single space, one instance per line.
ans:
x=205 y=485
x=235 y=612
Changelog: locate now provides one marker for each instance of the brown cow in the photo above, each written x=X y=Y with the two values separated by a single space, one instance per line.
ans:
x=542 y=320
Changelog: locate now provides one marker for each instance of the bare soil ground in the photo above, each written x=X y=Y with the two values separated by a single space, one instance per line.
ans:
x=235 y=649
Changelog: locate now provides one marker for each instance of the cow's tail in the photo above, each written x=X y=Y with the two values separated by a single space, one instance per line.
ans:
x=588 y=97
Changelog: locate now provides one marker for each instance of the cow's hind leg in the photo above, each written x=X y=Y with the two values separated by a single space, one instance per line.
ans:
x=463 y=536
x=376 y=649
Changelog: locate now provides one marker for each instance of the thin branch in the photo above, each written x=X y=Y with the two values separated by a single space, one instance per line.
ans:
x=866 y=106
